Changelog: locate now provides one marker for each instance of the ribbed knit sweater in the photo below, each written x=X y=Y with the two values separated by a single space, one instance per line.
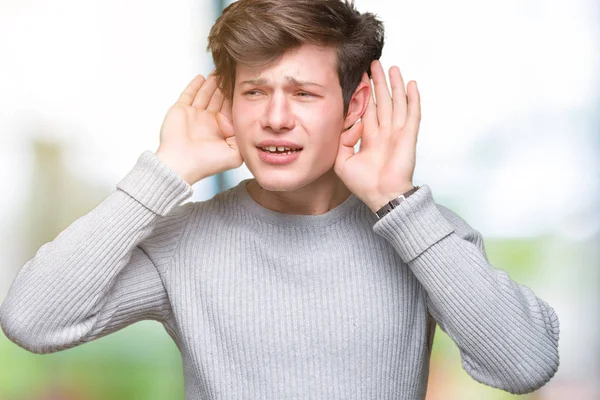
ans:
x=265 y=305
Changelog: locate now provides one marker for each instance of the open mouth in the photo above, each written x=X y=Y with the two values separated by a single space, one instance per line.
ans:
x=279 y=150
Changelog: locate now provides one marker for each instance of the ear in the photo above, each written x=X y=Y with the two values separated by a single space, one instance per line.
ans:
x=358 y=102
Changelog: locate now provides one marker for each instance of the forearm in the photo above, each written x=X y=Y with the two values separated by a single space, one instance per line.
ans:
x=508 y=338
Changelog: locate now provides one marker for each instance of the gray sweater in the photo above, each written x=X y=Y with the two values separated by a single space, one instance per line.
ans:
x=264 y=305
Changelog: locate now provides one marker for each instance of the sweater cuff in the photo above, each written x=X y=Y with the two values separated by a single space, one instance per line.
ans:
x=414 y=226
x=155 y=185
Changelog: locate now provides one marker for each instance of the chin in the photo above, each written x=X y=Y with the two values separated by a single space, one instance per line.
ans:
x=281 y=181
x=286 y=179
x=278 y=185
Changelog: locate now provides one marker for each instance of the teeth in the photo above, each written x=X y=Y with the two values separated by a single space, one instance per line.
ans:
x=273 y=149
x=279 y=150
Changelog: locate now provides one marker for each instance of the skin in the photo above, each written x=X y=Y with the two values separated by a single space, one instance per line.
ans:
x=384 y=166
x=202 y=134
x=268 y=104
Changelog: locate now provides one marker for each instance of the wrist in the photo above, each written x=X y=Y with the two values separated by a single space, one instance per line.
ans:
x=172 y=163
x=382 y=199
x=395 y=201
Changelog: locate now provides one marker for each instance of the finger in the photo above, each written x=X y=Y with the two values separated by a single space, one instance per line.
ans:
x=369 y=118
x=205 y=93
x=382 y=94
x=348 y=140
x=216 y=101
x=225 y=125
x=232 y=142
x=188 y=94
x=399 y=98
x=226 y=109
x=413 y=120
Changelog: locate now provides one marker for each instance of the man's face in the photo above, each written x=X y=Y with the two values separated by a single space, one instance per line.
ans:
x=297 y=99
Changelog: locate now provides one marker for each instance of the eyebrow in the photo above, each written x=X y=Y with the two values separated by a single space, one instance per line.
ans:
x=292 y=80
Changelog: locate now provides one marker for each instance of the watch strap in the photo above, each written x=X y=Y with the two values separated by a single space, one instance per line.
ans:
x=395 y=203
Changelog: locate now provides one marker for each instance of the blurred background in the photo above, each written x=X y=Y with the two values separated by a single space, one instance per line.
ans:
x=509 y=140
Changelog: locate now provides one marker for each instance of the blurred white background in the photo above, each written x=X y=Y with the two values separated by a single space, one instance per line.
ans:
x=509 y=139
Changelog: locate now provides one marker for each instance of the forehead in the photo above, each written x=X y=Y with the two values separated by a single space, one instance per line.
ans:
x=307 y=63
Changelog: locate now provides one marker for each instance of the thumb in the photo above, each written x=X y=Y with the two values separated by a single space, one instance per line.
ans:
x=348 y=140
x=225 y=125
x=232 y=142
x=237 y=158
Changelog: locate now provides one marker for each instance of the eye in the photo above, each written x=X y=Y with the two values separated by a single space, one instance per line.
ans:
x=252 y=93
x=305 y=94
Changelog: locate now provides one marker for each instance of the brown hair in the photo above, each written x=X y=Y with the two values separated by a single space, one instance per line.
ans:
x=257 y=32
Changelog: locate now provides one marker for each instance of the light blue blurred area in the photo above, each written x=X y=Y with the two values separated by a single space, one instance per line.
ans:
x=509 y=139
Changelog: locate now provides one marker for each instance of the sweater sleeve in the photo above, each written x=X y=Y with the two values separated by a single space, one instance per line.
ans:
x=97 y=276
x=507 y=337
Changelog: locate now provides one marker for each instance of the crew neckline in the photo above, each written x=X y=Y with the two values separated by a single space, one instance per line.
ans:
x=274 y=217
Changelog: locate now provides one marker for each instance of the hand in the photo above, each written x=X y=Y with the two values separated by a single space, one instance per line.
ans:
x=383 y=168
x=196 y=137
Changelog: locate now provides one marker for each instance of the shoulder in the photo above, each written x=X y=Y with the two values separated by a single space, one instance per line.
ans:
x=195 y=212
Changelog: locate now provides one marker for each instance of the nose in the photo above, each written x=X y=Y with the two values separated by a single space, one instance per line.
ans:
x=278 y=115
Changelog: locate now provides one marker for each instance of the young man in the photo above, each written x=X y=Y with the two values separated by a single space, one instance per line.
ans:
x=325 y=275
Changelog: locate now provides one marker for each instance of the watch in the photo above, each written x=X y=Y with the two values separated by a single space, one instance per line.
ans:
x=395 y=203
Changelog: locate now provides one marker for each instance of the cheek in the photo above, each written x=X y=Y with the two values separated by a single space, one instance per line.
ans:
x=246 y=112
x=323 y=127
x=240 y=121
x=324 y=116
x=324 y=144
